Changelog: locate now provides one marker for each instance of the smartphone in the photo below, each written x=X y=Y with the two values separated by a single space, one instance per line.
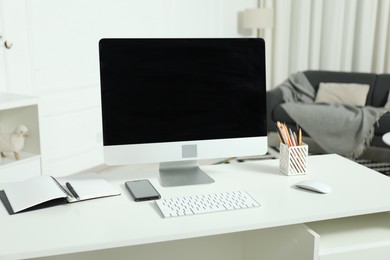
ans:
x=142 y=190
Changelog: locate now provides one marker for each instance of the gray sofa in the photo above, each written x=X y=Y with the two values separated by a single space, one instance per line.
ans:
x=377 y=97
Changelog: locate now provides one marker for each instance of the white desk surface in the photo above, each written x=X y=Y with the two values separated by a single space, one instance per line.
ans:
x=119 y=221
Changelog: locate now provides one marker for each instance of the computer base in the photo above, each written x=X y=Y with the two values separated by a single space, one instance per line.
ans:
x=182 y=173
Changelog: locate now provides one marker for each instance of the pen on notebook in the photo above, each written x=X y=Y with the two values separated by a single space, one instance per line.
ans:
x=70 y=188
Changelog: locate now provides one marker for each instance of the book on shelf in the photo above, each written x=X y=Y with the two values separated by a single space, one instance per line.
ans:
x=45 y=191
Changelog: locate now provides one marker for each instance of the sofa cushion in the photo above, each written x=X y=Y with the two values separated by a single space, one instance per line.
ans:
x=279 y=114
x=282 y=115
x=342 y=93
x=315 y=77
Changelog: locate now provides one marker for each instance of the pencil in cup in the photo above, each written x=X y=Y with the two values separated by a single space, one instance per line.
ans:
x=287 y=136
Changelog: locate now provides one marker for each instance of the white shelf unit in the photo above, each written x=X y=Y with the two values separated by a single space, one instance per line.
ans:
x=16 y=110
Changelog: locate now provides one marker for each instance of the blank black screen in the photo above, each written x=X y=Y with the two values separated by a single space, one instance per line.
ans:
x=166 y=90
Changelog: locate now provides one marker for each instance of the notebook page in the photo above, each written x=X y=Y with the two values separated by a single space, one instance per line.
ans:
x=89 y=186
x=31 y=192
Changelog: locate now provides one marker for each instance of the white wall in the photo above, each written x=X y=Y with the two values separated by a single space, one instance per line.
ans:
x=61 y=62
x=55 y=55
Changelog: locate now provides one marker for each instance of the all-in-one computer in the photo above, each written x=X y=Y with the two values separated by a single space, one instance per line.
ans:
x=176 y=101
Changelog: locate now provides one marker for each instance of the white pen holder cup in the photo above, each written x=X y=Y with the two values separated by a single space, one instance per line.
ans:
x=293 y=159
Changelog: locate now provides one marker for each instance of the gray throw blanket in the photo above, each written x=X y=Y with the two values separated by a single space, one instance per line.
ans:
x=341 y=129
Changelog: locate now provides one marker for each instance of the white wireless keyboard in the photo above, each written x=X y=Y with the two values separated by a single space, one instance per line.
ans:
x=199 y=204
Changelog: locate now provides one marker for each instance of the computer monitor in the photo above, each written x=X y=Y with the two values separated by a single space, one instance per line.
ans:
x=176 y=101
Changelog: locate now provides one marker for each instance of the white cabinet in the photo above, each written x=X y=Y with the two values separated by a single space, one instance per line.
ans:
x=2 y=70
x=359 y=238
x=16 y=110
x=16 y=59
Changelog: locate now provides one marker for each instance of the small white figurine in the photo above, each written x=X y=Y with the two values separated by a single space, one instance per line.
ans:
x=13 y=142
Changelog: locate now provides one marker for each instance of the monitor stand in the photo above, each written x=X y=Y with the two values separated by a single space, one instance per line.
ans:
x=182 y=173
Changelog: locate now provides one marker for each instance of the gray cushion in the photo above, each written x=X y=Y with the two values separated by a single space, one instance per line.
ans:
x=342 y=93
x=315 y=77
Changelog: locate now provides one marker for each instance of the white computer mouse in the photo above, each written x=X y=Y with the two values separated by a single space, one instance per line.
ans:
x=313 y=185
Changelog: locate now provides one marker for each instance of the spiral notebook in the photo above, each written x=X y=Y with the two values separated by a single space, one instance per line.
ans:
x=46 y=191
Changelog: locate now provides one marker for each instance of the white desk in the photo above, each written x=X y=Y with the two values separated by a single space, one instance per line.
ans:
x=120 y=222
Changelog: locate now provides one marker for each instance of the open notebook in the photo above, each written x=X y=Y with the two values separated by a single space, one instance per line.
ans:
x=44 y=191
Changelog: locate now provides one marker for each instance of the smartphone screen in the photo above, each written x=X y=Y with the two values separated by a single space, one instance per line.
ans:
x=142 y=190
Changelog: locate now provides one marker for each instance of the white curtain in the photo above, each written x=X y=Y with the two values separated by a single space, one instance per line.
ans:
x=338 y=35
